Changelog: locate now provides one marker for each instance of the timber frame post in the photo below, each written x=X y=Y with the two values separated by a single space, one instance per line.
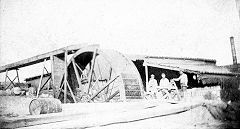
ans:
x=146 y=73
x=65 y=77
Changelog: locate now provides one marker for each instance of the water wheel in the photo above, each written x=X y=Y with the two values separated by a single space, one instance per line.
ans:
x=96 y=75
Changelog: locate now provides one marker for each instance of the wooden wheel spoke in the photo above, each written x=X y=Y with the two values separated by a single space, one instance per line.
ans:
x=71 y=92
x=110 y=76
x=78 y=66
x=97 y=80
x=76 y=73
x=110 y=91
x=91 y=70
x=109 y=82
x=100 y=73
x=112 y=96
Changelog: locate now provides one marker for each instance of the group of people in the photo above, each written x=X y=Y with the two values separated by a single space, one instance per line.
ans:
x=153 y=88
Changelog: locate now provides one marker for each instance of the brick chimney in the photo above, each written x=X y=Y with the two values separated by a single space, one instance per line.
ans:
x=234 y=55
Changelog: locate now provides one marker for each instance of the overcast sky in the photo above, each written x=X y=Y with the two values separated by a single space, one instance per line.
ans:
x=179 y=28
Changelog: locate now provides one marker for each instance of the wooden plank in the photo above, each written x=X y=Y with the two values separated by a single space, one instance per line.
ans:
x=40 y=58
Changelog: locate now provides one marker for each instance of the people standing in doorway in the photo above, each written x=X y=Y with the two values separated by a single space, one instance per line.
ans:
x=152 y=86
x=183 y=82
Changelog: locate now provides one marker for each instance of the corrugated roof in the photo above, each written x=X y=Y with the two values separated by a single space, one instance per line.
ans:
x=142 y=57
x=203 y=69
x=183 y=58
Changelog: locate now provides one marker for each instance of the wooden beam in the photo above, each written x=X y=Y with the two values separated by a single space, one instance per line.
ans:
x=40 y=58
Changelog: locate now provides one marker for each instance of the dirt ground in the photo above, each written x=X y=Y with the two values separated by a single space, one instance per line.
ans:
x=197 y=118
x=193 y=119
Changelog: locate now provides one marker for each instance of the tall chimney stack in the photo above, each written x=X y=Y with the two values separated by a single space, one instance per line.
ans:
x=234 y=55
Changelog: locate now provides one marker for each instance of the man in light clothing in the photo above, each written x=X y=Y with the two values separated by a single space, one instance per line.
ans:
x=164 y=86
x=164 y=82
x=183 y=82
x=152 y=86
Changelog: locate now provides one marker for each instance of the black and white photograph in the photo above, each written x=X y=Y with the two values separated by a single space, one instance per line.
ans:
x=120 y=64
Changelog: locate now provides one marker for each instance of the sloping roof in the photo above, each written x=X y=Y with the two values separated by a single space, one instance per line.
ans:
x=198 y=69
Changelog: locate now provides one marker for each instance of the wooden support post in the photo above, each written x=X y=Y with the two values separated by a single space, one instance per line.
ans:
x=52 y=77
x=65 y=77
x=91 y=70
x=109 y=82
x=146 y=74
x=76 y=73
